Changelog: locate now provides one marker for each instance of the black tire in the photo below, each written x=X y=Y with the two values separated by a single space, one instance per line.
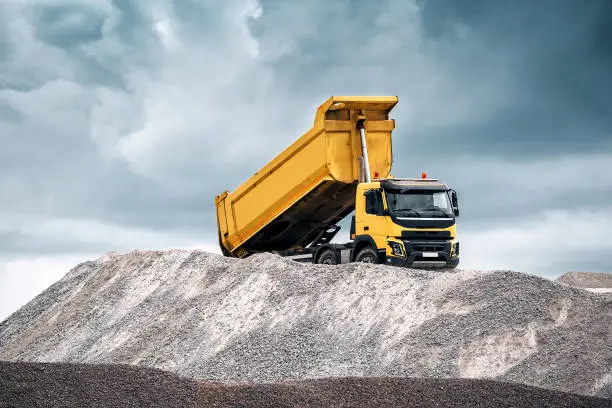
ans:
x=367 y=255
x=327 y=257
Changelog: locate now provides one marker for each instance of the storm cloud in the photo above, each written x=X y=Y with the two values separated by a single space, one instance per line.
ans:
x=121 y=120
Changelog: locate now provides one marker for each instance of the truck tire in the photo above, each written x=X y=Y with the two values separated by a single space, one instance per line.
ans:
x=327 y=257
x=367 y=255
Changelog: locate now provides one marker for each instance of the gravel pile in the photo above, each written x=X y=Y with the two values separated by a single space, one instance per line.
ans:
x=592 y=281
x=79 y=385
x=268 y=319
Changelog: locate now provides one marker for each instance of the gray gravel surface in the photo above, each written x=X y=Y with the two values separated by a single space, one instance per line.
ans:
x=268 y=319
x=84 y=385
x=588 y=280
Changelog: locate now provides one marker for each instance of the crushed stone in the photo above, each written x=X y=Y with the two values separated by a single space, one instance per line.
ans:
x=268 y=319
x=592 y=281
x=100 y=385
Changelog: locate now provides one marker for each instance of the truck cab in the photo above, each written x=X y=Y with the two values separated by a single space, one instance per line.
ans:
x=405 y=222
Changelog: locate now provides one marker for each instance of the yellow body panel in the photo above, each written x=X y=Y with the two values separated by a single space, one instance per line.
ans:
x=326 y=155
x=369 y=224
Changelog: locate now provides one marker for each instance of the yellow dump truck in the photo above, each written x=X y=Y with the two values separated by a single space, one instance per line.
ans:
x=342 y=164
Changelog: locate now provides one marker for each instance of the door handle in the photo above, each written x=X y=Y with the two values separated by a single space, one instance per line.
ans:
x=366 y=228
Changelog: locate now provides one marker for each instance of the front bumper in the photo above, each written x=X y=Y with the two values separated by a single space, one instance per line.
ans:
x=415 y=251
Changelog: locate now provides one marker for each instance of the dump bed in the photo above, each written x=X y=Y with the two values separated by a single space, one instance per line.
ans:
x=311 y=184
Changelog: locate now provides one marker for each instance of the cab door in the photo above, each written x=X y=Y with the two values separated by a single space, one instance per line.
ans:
x=370 y=217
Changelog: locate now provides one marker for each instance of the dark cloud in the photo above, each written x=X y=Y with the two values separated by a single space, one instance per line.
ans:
x=67 y=26
x=559 y=56
x=522 y=78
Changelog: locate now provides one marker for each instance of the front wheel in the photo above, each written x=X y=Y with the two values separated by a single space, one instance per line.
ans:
x=367 y=255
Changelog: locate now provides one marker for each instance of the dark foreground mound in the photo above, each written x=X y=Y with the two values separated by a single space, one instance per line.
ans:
x=79 y=385
x=86 y=385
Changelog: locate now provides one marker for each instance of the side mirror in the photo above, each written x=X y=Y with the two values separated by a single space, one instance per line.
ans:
x=454 y=202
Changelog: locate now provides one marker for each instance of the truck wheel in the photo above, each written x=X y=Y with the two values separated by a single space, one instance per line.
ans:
x=327 y=257
x=367 y=255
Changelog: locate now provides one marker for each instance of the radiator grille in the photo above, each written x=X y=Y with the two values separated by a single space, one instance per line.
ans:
x=427 y=235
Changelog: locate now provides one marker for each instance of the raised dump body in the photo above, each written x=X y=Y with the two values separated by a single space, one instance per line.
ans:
x=311 y=185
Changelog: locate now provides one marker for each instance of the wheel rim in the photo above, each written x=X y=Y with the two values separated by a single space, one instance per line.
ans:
x=368 y=259
x=328 y=261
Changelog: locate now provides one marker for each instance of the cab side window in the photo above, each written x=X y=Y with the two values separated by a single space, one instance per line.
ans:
x=374 y=202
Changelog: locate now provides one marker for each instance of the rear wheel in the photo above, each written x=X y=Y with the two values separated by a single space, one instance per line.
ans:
x=367 y=255
x=327 y=257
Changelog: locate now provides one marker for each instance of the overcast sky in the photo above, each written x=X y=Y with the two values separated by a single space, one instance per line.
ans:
x=121 y=120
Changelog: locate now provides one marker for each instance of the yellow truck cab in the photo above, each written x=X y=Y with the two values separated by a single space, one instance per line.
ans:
x=404 y=222
x=341 y=165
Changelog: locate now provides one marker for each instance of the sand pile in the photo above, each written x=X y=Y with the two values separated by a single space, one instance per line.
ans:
x=80 y=385
x=268 y=319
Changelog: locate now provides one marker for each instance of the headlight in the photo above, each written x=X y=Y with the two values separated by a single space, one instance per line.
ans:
x=397 y=249
x=456 y=249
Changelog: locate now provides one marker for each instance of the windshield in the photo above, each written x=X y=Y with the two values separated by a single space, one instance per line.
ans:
x=420 y=204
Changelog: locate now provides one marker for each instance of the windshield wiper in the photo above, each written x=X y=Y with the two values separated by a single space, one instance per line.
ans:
x=435 y=208
x=408 y=210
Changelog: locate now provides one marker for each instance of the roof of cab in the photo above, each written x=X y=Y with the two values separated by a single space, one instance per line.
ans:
x=420 y=184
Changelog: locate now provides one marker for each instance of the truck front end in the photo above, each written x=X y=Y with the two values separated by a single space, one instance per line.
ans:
x=407 y=222
x=422 y=228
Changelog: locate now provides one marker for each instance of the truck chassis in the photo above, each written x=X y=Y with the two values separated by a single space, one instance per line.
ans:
x=323 y=251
